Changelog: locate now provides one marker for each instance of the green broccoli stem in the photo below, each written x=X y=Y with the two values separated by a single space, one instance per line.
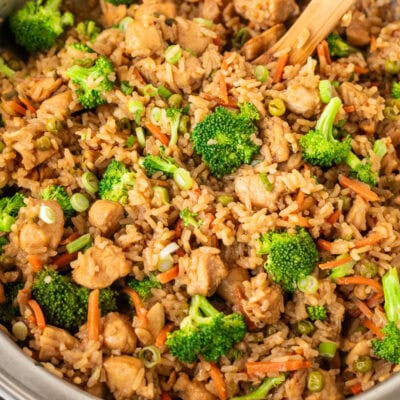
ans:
x=5 y=69
x=391 y=291
x=352 y=161
x=380 y=148
x=53 y=5
x=263 y=390
x=78 y=73
x=327 y=118
x=6 y=221
x=200 y=307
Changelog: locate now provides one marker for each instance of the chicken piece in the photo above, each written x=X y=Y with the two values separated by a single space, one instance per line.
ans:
x=37 y=237
x=143 y=41
x=266 y=13
x=100 y=265
x=111 y=14
x=152 y=7
x=204 y=271
x=53 y=341
x=124 y=375
x=252 y=192
x=40 y=89
x=234 y=281
x=210 y=9
x=56 y=107
x=190 y=78
x=358 y=32
x=263 y=303
x=274 y=129
x=105 y=215
x=190 y=36
x=191 y=390
x=357 y=214
x=118 y=333
x=295 y=384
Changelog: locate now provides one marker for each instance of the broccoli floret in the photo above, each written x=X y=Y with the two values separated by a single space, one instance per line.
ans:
x=82 y=47
x=126 y=88
x=169 y=167
x=64 y=303
x=224 y=139
x=316 y=313
x=9 y=208
x=190 y=218
x=319 y=146
x=5 y=70
x=8 y=310
x=342 y=270
x=88 y=30
x=38 y=24
x=291 y=256
x=263 y=390
x=117 y=181
x=396 y=90
x=174 y=115
x=59 y=194
x=119 y=2
x=92 y=82
x=143 y=288
x=338 y=47
x=206 y=332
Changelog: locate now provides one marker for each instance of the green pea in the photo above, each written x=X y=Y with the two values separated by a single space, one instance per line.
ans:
x=346 y=203
x=315 y=381
x=183 y=124
x=175 y=100
x=276 y=107
x=53 y=125
x=369 y=270
x=225 y=199
x=391 y=113
x=363 y=364
x=43 y=143
x=304 y=327
x=392 y=67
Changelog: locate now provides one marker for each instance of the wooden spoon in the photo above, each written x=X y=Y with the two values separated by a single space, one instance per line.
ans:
x=314 y=24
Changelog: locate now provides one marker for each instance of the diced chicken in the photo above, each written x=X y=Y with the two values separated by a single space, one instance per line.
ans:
x=143 y=41
x=100 y=265
x=124 y=375
x=56 y=107
x=37 y=237
x=190 y=36
x=41 y=88
x=191 y=390
x=252 y=192
x=152 y=7
x=275 y=129
x=357 y=214
x=210 y=9
x=53 y=341
x=266 y=13
x=118 y=333
x=204 y=271
x=112 y=14
x=263 y=303
x=105 y=215
x=300 y=99
x=234 y=281
x=358 y=32
x=294 y=385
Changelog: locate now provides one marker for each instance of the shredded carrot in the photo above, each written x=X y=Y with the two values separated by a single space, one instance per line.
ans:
x=156 y=132
x=70 y=238
x=360 y=70
x=17 y=107
x=27 y=104
x=93 y=315
x=358 y=187
x=373 y=328
x=327 y=53
x=169 y=275
x=219 y=381
x=375 y=299
x=372 y=239
x=321 y=54
x=359 y=280
x=334 y=263
x=373 y=46
x=265 y=367
x=162 y=336
x=302 y=221
x=300 y=200
x=64 y=259
x=364 y=309
x=223 y=88
x=137 y=75
x=35 y=263
x=280 y=66
x=178 y=228
x=165 y=396
x=38 y=313
x=349 y=109
x=356 y=389
x=141 y=312
x=324 y=244
x=333 y=218
x=2 y=294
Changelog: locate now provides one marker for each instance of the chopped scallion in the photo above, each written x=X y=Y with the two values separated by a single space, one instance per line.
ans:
x=90 y=182
x=79 y=202
x=80 y=243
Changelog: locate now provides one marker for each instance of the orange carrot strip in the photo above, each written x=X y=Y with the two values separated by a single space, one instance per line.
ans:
x=93 y=315
x=324 y=244
x=373 y=46
x=333 y=217
x=137 y=75
x=303 y=222
x=373 y=328
x=372 y=239
x=141 y=312
x=169 y=275
x=300 y=199
x=356 y=389
x=219 y=381
x=334 y=263
x=2 y=294
x=165 y=396
x=64 y=259
x=156 y=132
x=359 y=280
x=364 y=309
x=327 y=53
x=280 y=66
x=162 y=336
x=35 y=262
x=349 y=109
x=375 y=299
x=360 y=70
x=17 y=107
x=265 y=367
x=38 y=313
x=27 y=104
x=70 y=238
x=223 y=89
x=321 y=53
x=358 y=187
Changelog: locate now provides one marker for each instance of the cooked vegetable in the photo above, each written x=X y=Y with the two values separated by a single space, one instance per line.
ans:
x=315 y=381
x=338 y=47
x=9 y=208
x=5 y=69
x=262 y=391
x=143 y=287
x=59 y=194
x=316 y=313
x=88 y=30
x=190 y=218
x=327 y=349
x=8 y=309
x=174 y=115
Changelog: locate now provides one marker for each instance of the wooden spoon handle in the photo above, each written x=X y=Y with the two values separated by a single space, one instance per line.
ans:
x=314 y=24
